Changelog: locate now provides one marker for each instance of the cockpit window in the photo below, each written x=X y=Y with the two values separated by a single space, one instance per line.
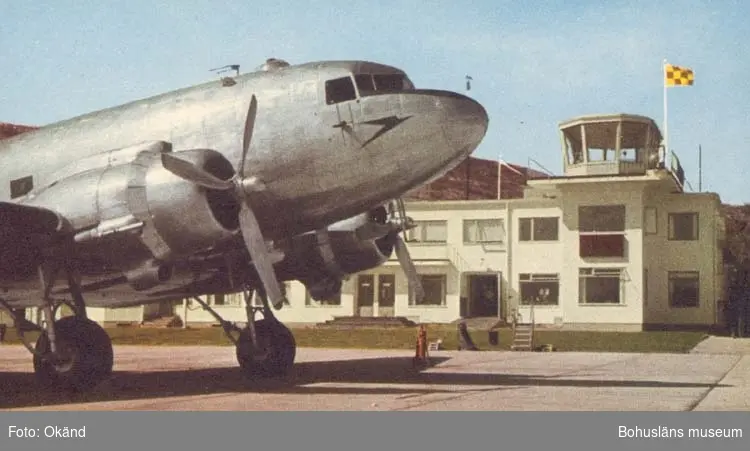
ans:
x=393 y=82
x=364 y=83
x=369 y=84
x=340 y=90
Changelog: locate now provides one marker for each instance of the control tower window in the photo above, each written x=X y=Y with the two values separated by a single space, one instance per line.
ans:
x=573 y=147
x=340 y=90
x=634 y=141
x=601 y=139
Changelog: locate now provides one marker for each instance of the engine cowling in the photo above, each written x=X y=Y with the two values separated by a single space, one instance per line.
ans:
x=354 y=246
x=188 y=217
x=151 y=215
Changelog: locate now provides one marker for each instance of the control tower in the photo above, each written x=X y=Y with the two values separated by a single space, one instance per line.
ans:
x=612 y=144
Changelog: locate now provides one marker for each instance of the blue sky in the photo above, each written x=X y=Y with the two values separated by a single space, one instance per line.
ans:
x=534 y=63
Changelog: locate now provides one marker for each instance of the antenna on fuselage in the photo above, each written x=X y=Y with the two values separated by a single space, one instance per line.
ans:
x=273 y=64
x=228 y=81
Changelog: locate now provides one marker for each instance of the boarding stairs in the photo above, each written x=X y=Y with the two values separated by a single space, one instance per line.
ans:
x=523 y=334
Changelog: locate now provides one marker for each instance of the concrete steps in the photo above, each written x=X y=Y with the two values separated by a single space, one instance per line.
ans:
x=163 y=322
x=369 y=321
x=481 y=323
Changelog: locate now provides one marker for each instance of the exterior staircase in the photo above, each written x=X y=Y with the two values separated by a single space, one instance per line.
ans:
x=523 y=338
x=523 y=333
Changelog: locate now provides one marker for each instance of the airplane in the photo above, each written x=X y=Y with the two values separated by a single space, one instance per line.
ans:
x=288 y=172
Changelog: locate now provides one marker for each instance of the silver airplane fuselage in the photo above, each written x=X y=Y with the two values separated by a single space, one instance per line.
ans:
x=327 y=145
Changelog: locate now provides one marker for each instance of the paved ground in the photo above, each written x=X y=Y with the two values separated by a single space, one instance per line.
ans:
x=206 y=378
x=723 y=345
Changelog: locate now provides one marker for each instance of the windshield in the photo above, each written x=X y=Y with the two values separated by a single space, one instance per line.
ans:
x=369 y=84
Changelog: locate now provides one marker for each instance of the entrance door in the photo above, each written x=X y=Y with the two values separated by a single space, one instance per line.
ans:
x=365 y=295
x=386 y=294
x=483 y=295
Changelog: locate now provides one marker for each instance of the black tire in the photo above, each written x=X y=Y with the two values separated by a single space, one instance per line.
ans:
x=89 y=355
x=282 y=350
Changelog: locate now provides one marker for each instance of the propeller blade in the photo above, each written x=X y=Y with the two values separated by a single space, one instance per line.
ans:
x=193 y=173
x=415 y=285
x=256 y=245
x=248 y=134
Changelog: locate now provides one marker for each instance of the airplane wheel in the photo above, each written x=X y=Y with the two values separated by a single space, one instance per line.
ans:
x=275 y=354
x=84 y=352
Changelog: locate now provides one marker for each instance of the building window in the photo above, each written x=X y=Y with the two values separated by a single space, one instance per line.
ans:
x=228 y=299
x=601 y=231
x=257 y=299
x=601 y=218
x=334 y=300
x=596 y=246
x=683 y=226
x=538 y=229
x=234 y=299
x=601 y=286
x=434 y=290
x=650 y=221
x=684 y=289
x=429 y=232
x=543 y=289
x=484 y=231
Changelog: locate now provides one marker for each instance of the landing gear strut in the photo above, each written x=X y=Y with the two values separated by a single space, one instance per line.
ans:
x=72 y=353
x=265 y=347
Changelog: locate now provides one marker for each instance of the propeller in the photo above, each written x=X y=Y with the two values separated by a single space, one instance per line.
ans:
x=402 y=252
x=242 y=186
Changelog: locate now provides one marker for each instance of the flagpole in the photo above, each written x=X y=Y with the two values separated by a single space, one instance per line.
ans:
x=666 y=130
x=700 y=169
x=499 y=171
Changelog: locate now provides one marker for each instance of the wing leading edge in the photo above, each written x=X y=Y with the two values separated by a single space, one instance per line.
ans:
x=25 y=220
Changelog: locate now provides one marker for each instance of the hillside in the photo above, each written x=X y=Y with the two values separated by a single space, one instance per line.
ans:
x=476 y=178
x=8 y=130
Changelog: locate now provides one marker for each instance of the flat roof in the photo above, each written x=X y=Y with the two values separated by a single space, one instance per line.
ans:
x=610 y=117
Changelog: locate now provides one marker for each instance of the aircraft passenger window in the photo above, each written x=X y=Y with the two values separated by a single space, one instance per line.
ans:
x=22 y=186
x=340 y=90
x=393 y=82
x=364 y=83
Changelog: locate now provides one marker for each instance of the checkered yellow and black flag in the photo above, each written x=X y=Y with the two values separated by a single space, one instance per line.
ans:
x=678 y=76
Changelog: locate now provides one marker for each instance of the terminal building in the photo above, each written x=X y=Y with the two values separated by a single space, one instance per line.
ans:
x=614 y=243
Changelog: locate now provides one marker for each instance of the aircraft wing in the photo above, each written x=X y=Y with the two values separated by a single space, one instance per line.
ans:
x=28 y=222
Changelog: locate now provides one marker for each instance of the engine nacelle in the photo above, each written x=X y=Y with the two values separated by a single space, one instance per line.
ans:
x=143 y=208
x=352 y=253
x=150 y=274
x=186 y=216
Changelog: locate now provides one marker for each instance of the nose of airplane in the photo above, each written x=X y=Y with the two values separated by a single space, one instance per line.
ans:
x=447 y=127
x=465 y=124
